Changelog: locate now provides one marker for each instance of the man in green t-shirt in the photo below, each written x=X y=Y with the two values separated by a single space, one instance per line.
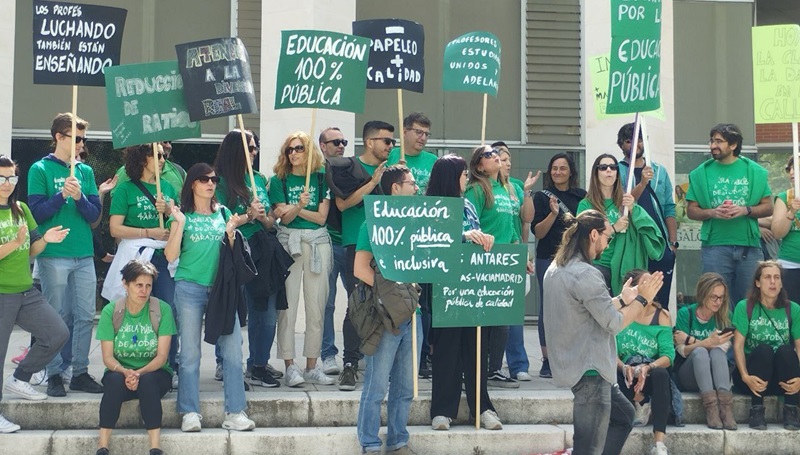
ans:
x=416 y=131
x=729 y=193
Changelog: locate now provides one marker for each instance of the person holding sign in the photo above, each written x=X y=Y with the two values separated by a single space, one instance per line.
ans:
x=392 y=357
x=66 y=270
x=302 y=210
x=786 y=227
x=170 y=173
x=580 y=339
x=195 y=234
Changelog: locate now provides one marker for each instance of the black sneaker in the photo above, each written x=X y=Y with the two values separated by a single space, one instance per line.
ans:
x=55 y=386
x=757 y=419
x=347 y=380
x=156 y=452
x=85 y=383
x=790 y=419
x=498 y=379
x=102 y=451
x=545 y=371
x=425 y=370
x=261 y=377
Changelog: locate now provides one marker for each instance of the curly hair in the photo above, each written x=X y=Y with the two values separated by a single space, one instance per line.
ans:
x=284 y=167
x=135 y=158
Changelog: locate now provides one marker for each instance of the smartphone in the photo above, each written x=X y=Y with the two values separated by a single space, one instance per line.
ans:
x=727 y=330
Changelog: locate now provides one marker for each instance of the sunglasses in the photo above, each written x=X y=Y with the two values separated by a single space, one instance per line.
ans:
x=491 y=153
x=78 y=139
x=296 y=149
x=161 y=156
x=386 y=140
x=12 y=180
x=206 y=179
x=605 y=167
x=253 y=149
x=337 y=142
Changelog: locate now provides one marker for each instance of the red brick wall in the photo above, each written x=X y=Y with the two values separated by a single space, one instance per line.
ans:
x=778 y=132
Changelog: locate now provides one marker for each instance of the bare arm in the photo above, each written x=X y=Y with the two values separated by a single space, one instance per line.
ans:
x=362 y=269
x=162 y=354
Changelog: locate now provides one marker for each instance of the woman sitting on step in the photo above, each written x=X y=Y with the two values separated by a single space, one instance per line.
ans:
x=135 y=334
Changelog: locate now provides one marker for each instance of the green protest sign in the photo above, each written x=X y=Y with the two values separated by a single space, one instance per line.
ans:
x=415 y=238
x=776 y=73
x=490 y=292
x=472 y=64
x=146 y=104
x=322 y=69
x=599 y=74
x=635 y=66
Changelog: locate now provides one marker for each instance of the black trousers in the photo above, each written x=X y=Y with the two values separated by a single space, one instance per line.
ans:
x=454 y=357
x=498 y=339
x=772 y=367
x=152 y=387
x=658 y=389
x=352 y=342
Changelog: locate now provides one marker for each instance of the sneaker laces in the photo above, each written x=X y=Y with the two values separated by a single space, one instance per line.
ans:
x=344 y=371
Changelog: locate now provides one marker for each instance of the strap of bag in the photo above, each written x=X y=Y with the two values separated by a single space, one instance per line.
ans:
x=146 y=192
x=561 y=205
x=153 y=310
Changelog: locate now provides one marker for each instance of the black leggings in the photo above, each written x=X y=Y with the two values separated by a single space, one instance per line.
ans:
x=772 y=367
x=658 y=389
x=152 y=387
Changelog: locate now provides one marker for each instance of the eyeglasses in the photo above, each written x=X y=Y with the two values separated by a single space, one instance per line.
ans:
x=491 y=153
x=717 y=142
x=420 y=132
x=410 y=182
x=12 y=180
x=715 y=298
x=607 y=235
x=296 y=149
x=205 y=179
x=160 y=155
x=337 y=142
x=253 y=149
x=605 y=167
x=788 y=168
x=386 y=140
x=78 y=139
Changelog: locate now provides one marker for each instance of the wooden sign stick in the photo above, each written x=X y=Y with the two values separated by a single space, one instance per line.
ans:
x=158 y=181
x=478 y=355
x=402 y=144
x=414 y=360
x=796 y=161
x=310 y=152
x=483 y=122
x=74 y=130
x=632 y=159
x=246 y=146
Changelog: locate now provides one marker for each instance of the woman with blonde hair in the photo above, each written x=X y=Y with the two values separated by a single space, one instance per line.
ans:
x=302 y=214
x=786 y=227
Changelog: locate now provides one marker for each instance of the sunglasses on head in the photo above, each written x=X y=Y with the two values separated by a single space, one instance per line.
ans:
x=337 y=142
x=206 y=179
x=491 y=153
x=386 y=140
x=296 y=149
x=78 y=139
x=605 y=167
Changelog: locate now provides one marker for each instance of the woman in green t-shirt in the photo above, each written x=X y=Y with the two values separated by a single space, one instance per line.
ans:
x=786 y=227
x=765 y=346
x=302 y=211
x=135 y=351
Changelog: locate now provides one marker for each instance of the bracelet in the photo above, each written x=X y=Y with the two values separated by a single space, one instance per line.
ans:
x=641 y=300
x=622 y=303
x=116 y=366
x=615 y=229
x=686 y=341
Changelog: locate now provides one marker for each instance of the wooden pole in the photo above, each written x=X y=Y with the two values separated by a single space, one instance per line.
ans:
x=648 y=155
x=309 y=153
x=246 y=147
x=414 y=359
x=478 y=365
x=632 y=159
x=796 y=155
x=483 y=121
x=74 y=130
x=402 y=135
x=158 y=181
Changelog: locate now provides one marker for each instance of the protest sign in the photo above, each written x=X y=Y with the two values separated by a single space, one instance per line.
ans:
x=72 y=43
x=415 y=238
x=146 y=104
x=634 y=82
x=776 y=73
x=599 y=75
x=396 y=56
x=491 y=290
x=472 y=64
x=216 y=78
x=322 y=69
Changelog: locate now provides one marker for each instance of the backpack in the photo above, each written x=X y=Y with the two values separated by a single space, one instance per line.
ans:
x=365 y=317
x=154 y=308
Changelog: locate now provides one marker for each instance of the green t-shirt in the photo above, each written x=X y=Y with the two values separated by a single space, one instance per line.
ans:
x=729 y=182
x=766 y=326
x=687 y=317
x=363 y=239
x=353 y=217
x=202 y=238
x=519 y=199
x=46 y=177
x=295 y=185
x=420 y=166
x=136 y=344
x=129 y=201
x=16 y=269
x=171 y=174
x=499 y=219
x=240 y=207
x=790 y=245
x=651 y=341
x=612 y=213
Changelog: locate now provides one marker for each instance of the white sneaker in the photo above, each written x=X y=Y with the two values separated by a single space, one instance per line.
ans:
x=238 y=421
x=174 y=382
x=191 y=422
x=294 y=376
x=7 y=427
x=218 y=372
x=316 y=376
x=23 y=389
x=524 y=376
x=329 y=366
x=642 y=416
x=441 y=423
x=39 y=378
x=66 y=375
x=490 y=421
x=659 y=449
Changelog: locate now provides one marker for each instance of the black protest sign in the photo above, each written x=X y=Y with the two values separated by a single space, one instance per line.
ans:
x=216 y=78
x=396 y=57
x=72 y=43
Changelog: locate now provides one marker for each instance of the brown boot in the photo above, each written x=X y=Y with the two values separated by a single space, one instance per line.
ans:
x=725 y=398
x=712 y=410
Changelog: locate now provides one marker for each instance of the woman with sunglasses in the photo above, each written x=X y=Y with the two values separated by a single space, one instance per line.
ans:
x=786 y=227
x=196 y=230
x=302 y=233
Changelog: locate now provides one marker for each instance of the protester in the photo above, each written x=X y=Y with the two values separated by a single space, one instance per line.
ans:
x=135 y=345
x=66 y=270
x=765 y=346
x=171 y=172
x=786 y=228
x=196 y=230
x=454 y=347
x=559 y=197
x=302 y=213
x=20 y=303
x=523 y=190
x=581 y=340
x=699 y=338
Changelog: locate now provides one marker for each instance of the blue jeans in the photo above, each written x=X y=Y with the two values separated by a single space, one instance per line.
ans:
x=70 y=286
x=391 y=359
x=191 y=300
x=602 y=417
x=516 y=355
x=736 y=264
x=260 y=330
x=328 y=331
x=164 y=289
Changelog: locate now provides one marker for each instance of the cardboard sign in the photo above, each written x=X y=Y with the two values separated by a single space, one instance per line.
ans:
x=599 y=75
x=322 y=69
x=72 y=43
x=472 y=64
x=491 y=290
x=634 y=83
x=216 y=78
x=415 y=238
x=396 y=56
x=145 y=104
x=776 y=73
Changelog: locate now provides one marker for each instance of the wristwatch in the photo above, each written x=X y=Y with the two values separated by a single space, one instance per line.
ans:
x=676 y=244
x=749 y=210
x=641 y=300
